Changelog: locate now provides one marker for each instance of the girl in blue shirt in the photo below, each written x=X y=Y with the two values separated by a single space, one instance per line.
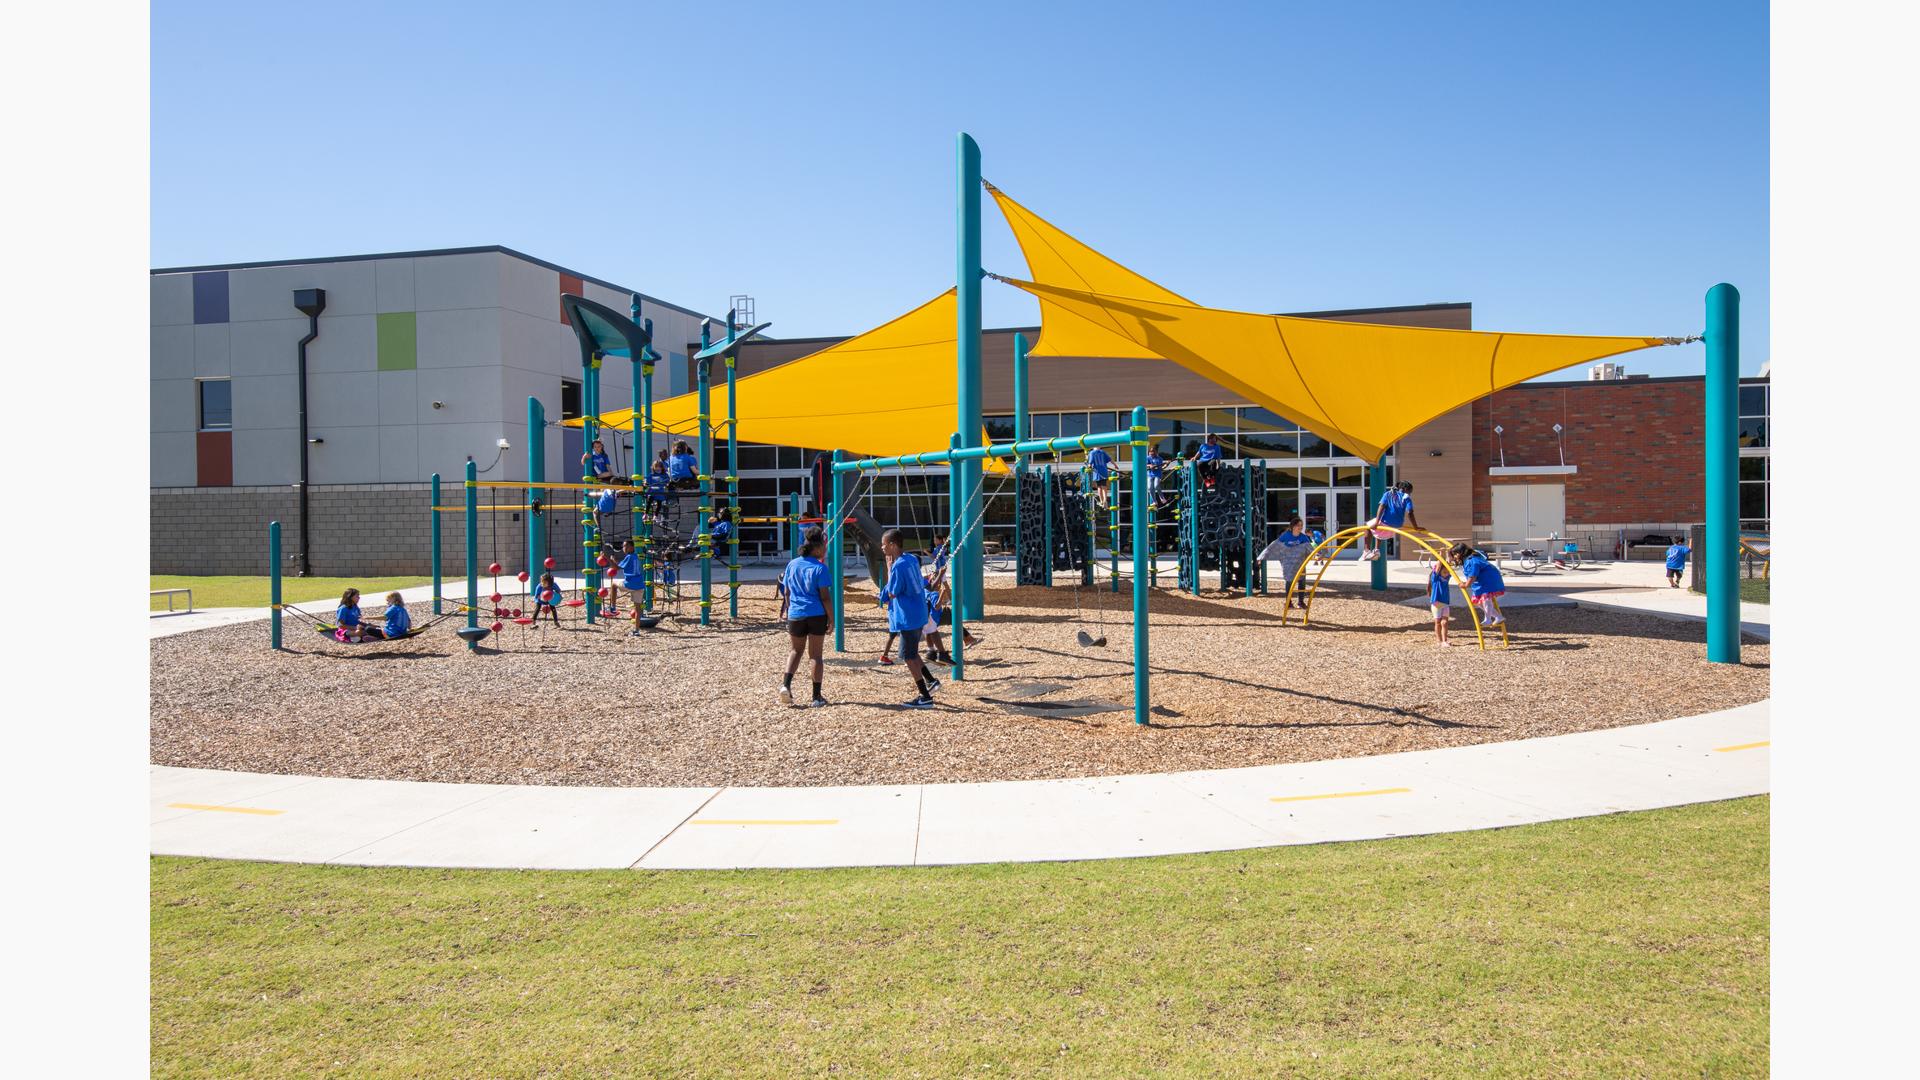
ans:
x=397 y=622
x=603 y=508
x=1395 y=511
x=546 y=599
x=1208 y=458
x=1484 y=584
x=905 y=598
x=633 y=577
x=657 y=489
x=1440 y=600
x=346 y=617
x=809 y=612
x=1101 y=463
x=1291 y=550
x=1156 y=467
x=683 y=469
x=599 y=465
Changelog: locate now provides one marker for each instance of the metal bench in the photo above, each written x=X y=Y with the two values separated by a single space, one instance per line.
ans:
x=171 y=593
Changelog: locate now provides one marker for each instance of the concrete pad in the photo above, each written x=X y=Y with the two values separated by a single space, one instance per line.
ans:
x=556 y=828
x=1507 y=603
x=1102 y=818
x=208 y=787
x=318 y=821
x=795 y=827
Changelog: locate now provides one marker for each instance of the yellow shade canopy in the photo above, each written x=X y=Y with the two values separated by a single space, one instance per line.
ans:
x=1361 y=386
x=888 y=391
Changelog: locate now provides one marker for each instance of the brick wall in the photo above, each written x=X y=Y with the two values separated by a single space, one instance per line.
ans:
x=372 y=529
x=1639 y=446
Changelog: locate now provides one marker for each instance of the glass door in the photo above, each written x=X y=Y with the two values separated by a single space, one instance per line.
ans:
x=1347 y=512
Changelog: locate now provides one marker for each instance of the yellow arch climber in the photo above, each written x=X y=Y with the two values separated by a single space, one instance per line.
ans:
x=1344 y=539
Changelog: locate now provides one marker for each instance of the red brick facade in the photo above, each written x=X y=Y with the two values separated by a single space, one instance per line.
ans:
x=1638 y=444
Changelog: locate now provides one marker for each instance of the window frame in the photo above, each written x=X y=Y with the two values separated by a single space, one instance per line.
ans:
x=200 y=403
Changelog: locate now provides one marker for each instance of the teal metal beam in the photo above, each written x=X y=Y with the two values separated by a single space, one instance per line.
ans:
x=835 y=512
x=1019 y=435
x=704 y=371
x=536 y=473
x=273 y=566
x=733 y=486
x=957 y=526
x=995 y=450
x=1376 y=490
x=434 y=514
x=590 y=535
x=473 y=553
x=1141 y=553
x=1722 y=569
x=1246 y=487
x=644 y=442
x=967 y=570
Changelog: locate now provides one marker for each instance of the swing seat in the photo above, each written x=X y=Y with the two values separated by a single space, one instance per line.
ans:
x=1088 y=641
x=648 y=622
x=473 y=635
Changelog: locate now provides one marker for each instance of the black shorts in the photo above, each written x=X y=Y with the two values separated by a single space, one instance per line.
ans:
x=909 y=643
x=811 y=626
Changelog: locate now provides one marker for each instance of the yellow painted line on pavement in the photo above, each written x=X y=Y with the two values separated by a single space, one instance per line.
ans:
x=765 y=821
x=223 y=809
x=1343 y=794
x=1743 y=746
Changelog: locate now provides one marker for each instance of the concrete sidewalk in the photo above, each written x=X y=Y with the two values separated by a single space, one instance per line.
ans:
x=216 y=814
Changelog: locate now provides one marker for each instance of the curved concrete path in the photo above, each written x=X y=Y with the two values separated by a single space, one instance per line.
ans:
x=386 y=822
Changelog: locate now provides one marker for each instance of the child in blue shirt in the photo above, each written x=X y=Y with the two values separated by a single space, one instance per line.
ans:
x=546 y=599
x=657 y=489
x=1156 y=467
x=634 y=578
x=1395 y=511
x=346 y=617
x=905 y=598
x=1101 y=463
x=1484 y=584
x=1291 y=551
x=1208 y=458
x=1440 y=600
x=603 y=508
x=1676 y=562
x=808 y=610
x=683 y=469
x=599 y=465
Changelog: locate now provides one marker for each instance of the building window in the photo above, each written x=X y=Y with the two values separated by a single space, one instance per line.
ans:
x=569 y=399
x=216 y=405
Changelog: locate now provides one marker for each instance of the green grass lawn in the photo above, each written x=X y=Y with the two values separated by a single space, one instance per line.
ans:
x=256 y=591
x=1752 y=590
x=1631 y=945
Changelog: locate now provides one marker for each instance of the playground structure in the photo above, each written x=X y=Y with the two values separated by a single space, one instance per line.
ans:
x=1432 y=543
x=1343 y=381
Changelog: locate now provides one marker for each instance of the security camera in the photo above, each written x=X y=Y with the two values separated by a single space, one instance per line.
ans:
x=439 y=404
x=504 y=444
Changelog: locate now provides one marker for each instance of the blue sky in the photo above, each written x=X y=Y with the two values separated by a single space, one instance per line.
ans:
x=1567 y=168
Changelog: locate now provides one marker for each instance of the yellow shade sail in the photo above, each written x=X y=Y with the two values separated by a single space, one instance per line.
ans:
x=888 y=391
x=1362 y=386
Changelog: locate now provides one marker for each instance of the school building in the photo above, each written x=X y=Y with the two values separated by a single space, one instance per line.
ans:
x=418 y=361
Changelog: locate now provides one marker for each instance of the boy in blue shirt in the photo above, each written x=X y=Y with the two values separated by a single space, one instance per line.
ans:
x=807 y=587
x=546 y=599
x=603 y=508
x=1156 y=466
x=1676 y=562
x=1208 y=458
x=905 y=598
x=683 y=469
x=1291 y=550
x=634 y=578
x=1395 y=511
x=1101 y=463
x=599 y=465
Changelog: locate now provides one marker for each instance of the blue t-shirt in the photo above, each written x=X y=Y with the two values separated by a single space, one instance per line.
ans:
x=1294 y=539
x=1394 y=508
x=398 y=621
x=905 y=595
x=1155 y=463
x=722 y=529
x=682 y=466
x=348 y=616
x=656 y=483
x=1482 y=576
x=1677 y=556
x=1439 y=587
x=940 y=556
x=803 y=580
x=1210 y=451
x=547 y=594
x=1100 y=462
x=608 y=500
x=630 y=570
x=602 y=464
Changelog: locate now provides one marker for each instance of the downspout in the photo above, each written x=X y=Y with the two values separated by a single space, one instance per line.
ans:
x=311 y=303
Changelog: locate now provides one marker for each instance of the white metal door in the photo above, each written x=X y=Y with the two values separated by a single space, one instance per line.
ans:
x=1529 y=512
x=1510 y=512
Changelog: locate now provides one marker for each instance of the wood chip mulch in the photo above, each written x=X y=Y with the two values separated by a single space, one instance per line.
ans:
x=690 y=706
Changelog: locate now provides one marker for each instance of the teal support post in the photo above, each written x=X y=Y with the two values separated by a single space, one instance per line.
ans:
x=1376 y=490
x=589 y=544
x=1046 y=523
x=434 y=494
x=1246 y=486
x=1019 y=433
x=704 y=370
x=1722 y=569
x=473 y=553
x=958 y=526
x=1113 y=535
x=536 y=473
x=1189 y=535
x=968 y=574
x=644 y=443
x=273 y=567
x=798 y=530
x=1141 y=553
x=836 y=562
x=1093 y=529
x=733 y=490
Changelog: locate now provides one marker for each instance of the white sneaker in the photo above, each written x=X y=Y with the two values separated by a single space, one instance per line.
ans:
x=786 y=695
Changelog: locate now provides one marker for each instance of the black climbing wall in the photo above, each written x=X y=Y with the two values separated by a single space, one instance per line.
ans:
x=1068 y=527
x=1215 y=520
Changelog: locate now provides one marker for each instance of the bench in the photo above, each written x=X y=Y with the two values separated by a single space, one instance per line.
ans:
x=171 y=593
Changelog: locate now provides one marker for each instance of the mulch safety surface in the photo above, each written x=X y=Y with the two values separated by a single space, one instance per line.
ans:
x=684 y=705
